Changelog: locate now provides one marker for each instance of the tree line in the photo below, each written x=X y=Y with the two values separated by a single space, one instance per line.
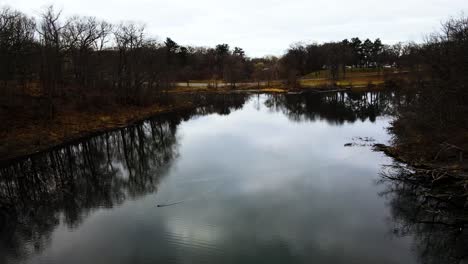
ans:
x=338 y=57
x=85 y=58
x=95 y=55
x=91 y=60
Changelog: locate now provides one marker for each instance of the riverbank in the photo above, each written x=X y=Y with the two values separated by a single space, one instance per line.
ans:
x=28 y=135
x=446 y=157
x=282 y=88
x=441 y=169
x=32 y=136
x=358 y=78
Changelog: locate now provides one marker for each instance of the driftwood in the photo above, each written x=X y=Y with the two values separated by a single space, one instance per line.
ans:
x=441 y=183
x=165 y=205
x=437 y=171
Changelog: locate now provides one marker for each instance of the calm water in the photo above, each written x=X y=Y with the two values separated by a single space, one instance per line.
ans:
x=259 y=179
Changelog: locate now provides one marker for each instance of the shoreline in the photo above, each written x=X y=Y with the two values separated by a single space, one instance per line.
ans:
x=26 y=144
x=33 y=136
x=449 y=171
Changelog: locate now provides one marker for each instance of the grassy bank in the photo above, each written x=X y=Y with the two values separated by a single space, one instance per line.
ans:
x=358 y=78
x=353 y=78
x=28 y=136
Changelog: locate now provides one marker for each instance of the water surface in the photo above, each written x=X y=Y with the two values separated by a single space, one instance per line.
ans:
x=259 y=179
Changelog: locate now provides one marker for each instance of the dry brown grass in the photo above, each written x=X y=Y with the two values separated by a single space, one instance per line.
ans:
x=29 y=136
x=355 y=78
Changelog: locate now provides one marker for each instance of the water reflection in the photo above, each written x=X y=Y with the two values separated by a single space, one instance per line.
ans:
x=222 y=104
x=435 y=216
x=66 y=184
x=259 y=188
x=335 y=108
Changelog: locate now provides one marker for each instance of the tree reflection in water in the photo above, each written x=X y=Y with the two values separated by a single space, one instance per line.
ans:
x=64 y=185
x=335 y=108
x=435 y=215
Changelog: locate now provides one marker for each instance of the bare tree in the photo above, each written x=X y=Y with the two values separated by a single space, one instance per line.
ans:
x=130 y=41
x=16 y=43
x=51 y=36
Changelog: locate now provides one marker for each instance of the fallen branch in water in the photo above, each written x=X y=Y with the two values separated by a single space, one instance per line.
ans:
x=165 y=205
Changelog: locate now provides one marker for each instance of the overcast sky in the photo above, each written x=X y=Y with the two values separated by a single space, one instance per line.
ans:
x=264 y=27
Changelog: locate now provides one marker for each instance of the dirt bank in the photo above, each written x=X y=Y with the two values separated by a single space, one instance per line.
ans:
x=32 y=136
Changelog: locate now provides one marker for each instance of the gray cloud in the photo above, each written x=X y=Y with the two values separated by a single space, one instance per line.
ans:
x=264 y=27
